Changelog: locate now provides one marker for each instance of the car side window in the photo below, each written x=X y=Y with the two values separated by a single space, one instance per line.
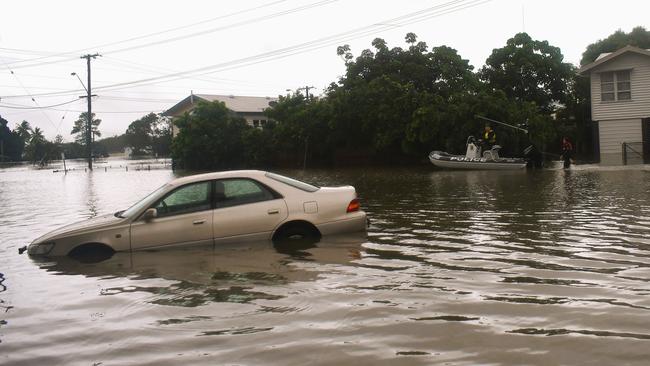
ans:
x=239 y=191
x=189 y=198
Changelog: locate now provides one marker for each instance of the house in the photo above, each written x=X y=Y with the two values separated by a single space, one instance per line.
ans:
x=250 y=108
x=620 y=105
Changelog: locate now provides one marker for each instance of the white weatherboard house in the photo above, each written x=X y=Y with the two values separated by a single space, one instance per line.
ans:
x=620 y=105
x=250 y=108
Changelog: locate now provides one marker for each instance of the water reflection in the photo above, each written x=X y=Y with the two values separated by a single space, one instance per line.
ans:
x=201 y=275
x=462 y=268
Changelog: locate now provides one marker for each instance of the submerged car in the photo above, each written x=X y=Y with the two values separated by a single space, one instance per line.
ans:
x=213 y=208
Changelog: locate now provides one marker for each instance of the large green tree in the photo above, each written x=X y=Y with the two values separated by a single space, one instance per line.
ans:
x=149 y=134
x=211 y=137
x=139 y=134
x=639 y=37
x=79 y=128
x=528 y=70
x=11 y=144
x=388 y=96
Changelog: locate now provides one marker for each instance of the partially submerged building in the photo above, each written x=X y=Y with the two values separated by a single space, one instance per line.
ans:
x=620 y=105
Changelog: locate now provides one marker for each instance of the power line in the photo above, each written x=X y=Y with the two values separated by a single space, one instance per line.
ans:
x=254 y=20
x=15 y=106
x=411 y=18
x=230 y=26
x=32 y=97
x=421 y=15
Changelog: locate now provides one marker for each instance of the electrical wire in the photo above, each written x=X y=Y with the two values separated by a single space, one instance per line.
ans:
x=32 y=97
x=397 y=22
x=418 y=16
x=16 y=106
x=238 y=24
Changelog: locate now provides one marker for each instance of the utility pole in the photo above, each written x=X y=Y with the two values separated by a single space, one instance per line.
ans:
x=307 y=91
x=304 y=160
x=89 y=127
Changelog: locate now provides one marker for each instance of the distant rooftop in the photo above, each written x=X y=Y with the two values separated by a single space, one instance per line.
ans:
x=236 y=103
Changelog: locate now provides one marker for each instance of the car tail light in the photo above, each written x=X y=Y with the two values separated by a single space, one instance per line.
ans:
x=353 y=205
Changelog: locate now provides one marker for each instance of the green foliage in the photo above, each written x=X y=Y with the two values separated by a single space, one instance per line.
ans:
x=210 y=138
x=139 y=134
x=638 y=37
x=111 y=145
x=39 y=150
x=527 y=70
x=395 y=105
x=12 y=143
x=80 y=125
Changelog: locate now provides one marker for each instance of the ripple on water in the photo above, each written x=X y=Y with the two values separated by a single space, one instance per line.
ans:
x=457 y=267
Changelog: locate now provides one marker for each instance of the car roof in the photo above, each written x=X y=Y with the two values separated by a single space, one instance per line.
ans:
x=217 y=175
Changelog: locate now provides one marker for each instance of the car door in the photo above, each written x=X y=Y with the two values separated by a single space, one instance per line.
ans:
x=245 y=208
x=184 y=217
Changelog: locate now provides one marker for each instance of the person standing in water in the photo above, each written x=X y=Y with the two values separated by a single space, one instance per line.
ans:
x=567 y=152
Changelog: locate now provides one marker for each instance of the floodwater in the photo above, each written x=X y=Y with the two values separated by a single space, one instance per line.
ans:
x=458 y=268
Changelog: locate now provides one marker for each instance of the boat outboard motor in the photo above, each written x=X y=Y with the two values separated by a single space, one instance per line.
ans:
x=534 y=157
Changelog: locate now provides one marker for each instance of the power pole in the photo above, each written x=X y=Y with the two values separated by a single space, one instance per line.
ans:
x=89 y=127
x=304 y=160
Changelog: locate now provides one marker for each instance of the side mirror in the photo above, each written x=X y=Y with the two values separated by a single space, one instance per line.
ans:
x=150 y=214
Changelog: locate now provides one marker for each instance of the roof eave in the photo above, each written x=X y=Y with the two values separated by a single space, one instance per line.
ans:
x=180 y=105
x=607 y=58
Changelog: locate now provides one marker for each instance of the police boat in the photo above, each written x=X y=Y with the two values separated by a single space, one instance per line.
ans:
x=474 y=159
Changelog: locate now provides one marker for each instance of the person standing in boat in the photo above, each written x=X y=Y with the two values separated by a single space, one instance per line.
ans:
x=489 y=138
x=567 y=152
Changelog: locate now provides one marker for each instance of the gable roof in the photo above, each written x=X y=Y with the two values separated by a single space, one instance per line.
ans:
x=605 y=57
x=239 y=104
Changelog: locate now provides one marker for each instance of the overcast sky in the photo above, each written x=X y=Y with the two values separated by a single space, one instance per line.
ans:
x=154 y=53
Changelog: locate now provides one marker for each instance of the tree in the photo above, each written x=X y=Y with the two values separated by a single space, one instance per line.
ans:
x=24 y=130
x=529 y=71
x=36 y=149
x=149 y=134
x=11 y=144
x=162 y=136
x=390 y=96
x=79 y=128
x=138 y=135
x=210 y=138
x=638 y=37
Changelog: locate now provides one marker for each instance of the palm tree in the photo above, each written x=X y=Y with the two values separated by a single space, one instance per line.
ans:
x=24 y=130
x=35 y=149
x=79 y=128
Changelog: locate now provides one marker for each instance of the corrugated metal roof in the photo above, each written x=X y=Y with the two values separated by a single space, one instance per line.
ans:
x=236 y=103
x=240 y=103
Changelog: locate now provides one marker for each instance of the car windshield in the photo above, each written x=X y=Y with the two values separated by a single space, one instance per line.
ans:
x=148 y=200
x=293 y=182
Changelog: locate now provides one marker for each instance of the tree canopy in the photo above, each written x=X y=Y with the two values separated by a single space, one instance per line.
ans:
x=527 y=70
x=638 y=37
x=79 y=128
x=211 y=137
x=149 y=134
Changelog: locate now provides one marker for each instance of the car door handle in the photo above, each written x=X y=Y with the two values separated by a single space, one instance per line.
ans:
x=273 y=211
x=198 y=222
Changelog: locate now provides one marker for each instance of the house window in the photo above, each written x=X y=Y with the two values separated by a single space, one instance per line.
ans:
x=615 y=85
x=256 y=123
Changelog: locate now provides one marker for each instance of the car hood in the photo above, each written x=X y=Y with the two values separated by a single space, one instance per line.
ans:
x=80 y=227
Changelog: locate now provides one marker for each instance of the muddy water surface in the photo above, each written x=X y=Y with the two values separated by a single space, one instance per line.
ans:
x=458 y=268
